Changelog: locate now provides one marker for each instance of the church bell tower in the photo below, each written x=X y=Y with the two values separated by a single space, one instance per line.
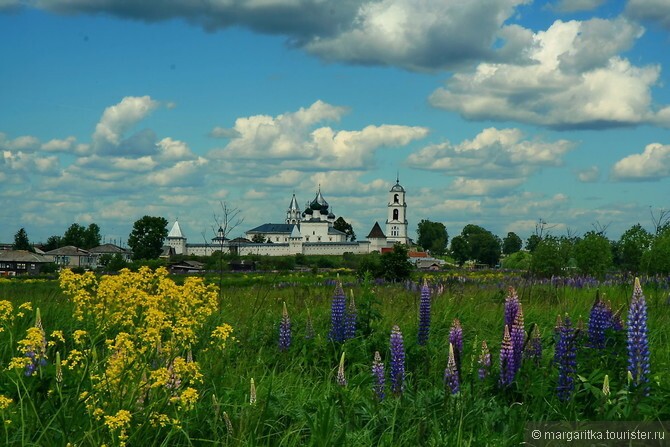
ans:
x=396 y=221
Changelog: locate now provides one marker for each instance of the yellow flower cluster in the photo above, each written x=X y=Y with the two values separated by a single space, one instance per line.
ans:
x=5 y=402
x=220 y=335
x=120 y=421
x=145 y=303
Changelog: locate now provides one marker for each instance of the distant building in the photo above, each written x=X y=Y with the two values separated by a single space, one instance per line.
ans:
x=21 y=262
x=71 y=256
x=308 y=232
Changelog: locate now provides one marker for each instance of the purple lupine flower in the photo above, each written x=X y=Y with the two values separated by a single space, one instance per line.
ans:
x=534 y=347
x=397 y=361
x=337 y=310
x=451 y=372
x=638 y=341
x=512 y=305
x=341 y=380
x=379 y=376
x=565 y=356
x=309 y=327
x=518 y=336
x=456 y=339
x=285 y=331
x=484 y=361
x=507 y=367
x=599 y=321
x=456 y=335
x=424 y=314
x=350 y=319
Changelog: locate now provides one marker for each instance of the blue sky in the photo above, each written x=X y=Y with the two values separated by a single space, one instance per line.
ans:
x=496 y=112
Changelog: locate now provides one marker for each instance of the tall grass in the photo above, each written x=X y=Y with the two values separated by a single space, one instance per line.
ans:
x=299 y=401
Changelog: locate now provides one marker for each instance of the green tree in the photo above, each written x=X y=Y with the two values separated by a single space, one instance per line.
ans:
x=92 y=236
x=146 y=238
x=657 y=259
x=517 y=261
x=483 y=246
x=53 y=242
x=532 y=242
x=82 y=237
x=547 y=260
x=631 y=247
x=593 y=254
x=74 y=236
x=511 y=243
x=345 y=227
x=395 y=265
x=433 y=236
x=460 y=250
x=21 y=241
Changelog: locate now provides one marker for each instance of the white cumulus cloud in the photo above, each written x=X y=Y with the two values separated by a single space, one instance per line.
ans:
x=574 y=77
x=657 y=11
x=652 y=164
x=118 y=119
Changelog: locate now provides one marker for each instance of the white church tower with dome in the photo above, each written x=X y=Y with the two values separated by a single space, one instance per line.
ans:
x=396 y=221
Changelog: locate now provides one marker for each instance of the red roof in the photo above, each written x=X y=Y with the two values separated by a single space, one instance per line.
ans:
x=417 y=254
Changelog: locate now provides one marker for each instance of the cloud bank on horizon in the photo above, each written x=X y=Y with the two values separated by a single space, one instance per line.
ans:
x=524 y=96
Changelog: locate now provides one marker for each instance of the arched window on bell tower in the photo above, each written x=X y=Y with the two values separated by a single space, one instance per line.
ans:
x=395 y=214
x=395 y=198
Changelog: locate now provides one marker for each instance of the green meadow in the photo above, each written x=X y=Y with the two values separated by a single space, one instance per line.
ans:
x=115 y=376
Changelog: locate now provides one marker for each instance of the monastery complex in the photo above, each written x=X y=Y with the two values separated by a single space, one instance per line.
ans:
x=309 y=232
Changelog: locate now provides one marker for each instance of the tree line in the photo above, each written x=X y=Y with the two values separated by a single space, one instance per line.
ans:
x=543 y=254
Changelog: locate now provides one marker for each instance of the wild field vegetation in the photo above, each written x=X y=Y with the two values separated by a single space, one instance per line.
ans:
x=136 y=359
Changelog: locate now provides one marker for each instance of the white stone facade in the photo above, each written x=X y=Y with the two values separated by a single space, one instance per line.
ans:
x=310 y=232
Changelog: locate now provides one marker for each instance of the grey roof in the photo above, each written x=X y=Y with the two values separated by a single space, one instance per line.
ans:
x=376 y=232
x=21 y=256
x=109 y=249
x=333 y=231
x=68 y=250
x=272 y=228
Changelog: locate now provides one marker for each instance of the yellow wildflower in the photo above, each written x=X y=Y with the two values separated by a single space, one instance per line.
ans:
x=159 y=419
x=221 y=334
x=5 y=402
x=27 y=306
x=6 y=310
x=78 y=336
x=58 y=335
x=120 y=420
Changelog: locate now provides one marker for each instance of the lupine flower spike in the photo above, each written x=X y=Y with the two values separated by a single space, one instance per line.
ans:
x=507 y=368
x=337 y=314
x=379 y=376
x=565 y=356
x=451 y=372
x=424 y=314
x=511 y=306
x=638 y=339
x=518 y=336
x=397 y=361
x=606 y=386
x=534 y=347
x=341 y=380
x=484 y=361
x=229 y=424
x=252 y=392
x=350 y=319
x=285 y=331
x=309 y=326
x=599 y=321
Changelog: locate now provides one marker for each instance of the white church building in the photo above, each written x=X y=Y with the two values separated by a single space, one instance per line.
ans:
x=309 y=232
